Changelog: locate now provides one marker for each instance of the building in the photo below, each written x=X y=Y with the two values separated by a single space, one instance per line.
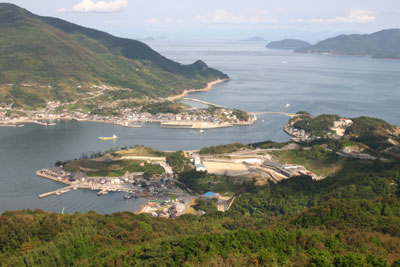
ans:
x=200 y=168
x=210 y=195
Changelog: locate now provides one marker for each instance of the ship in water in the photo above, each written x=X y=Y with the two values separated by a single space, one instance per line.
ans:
x=108 y=138
x=197 y=132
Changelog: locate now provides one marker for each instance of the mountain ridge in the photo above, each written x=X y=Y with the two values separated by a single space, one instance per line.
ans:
x=43 y=51
x=381 y=44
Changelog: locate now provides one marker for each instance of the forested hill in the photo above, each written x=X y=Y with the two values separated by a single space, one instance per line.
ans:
x=382 y=44
x=288 y=44
x=43 y=51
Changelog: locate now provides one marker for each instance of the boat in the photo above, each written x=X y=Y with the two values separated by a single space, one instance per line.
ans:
x=197 y=132
x=103 y=192
x=131 y=195
x=108 y=138
x=287 y=105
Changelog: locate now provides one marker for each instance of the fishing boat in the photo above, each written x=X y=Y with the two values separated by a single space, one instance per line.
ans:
x=102 y=192
x=131 y=195
x=197 y=132
x=108 y=138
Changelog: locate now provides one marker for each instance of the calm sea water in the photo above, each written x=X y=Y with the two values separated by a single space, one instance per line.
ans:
x=261 y=80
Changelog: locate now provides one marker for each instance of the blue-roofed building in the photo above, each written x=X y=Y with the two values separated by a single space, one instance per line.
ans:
x=210 y=195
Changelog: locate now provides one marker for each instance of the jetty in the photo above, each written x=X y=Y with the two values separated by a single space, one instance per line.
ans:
x=203 y=102
x=292 y=115
x=57 y=192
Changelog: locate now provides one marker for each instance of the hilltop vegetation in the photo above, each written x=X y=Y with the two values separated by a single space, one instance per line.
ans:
x=368 y=126
x=382 y=44
x=316 y=126
x=374 y=135
x=45 y=58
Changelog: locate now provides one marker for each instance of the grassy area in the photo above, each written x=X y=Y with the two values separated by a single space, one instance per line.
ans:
x=191 y=210
x=324 y=164
x=112 y=168
x=141 y=151
x=222 y=149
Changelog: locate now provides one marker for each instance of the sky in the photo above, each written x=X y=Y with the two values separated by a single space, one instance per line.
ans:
x=312 y=20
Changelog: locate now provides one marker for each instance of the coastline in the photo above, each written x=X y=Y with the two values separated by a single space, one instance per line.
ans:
x=142 y=208
x=188 y=91
x=128 y=123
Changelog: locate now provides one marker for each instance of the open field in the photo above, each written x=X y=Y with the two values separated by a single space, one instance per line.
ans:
x=227 y=168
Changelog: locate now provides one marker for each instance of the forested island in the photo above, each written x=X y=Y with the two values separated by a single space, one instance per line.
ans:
x=381 y=44
x=348 y=217
x=288 y=44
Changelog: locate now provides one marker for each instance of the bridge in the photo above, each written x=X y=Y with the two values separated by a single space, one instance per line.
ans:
x=277 y=113
x=203 y=102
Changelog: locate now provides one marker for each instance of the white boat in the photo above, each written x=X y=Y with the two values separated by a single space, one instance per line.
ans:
x=197 y=132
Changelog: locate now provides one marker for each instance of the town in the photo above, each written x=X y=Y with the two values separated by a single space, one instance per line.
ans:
x=127 y=114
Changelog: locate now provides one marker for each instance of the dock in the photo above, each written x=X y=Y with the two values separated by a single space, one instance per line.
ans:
x=57 y=192
x=50 y=177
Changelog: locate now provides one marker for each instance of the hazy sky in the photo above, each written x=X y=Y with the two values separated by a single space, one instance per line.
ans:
x=224 y=19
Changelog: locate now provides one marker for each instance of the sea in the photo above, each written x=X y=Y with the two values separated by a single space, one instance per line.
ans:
x=260 y=80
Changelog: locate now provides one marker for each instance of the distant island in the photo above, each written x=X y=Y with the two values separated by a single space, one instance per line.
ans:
x=288 y=44
x=45 y=59
x=255 y=39
x=381 y=44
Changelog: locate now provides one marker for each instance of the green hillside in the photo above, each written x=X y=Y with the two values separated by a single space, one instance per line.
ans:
x=51 y=57
x=382 y=44
x=349 y=219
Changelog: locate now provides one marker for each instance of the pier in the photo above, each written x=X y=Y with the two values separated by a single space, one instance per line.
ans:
x=57 y=192
x=203 y=102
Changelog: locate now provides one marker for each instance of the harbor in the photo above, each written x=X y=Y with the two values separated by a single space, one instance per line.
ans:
x=131 y=183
